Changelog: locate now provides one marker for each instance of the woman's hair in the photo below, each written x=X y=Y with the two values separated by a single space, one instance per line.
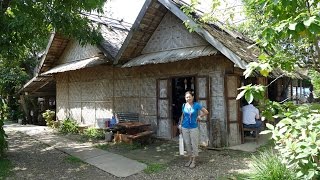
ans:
x=189 y=92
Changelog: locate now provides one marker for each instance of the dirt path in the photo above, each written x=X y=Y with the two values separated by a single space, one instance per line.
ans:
x=33 y=160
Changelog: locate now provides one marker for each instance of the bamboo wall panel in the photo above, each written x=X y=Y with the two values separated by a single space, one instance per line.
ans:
x=163 y=108
x=152 y=120
x=88 y=113
x=203 y=134
x=148 y=88
x=202 y=91
x=75 y=76
x=231 y=83
x=125 y=104
x=233 y=110
x=62 y=91
x=164 y=130
x=103 y=109
x=88 y=91
x=75 y=52
x=74 y=91
x=62 y=110
x=172 y=34
x=148 y=106
x=104 y=90
x=234 y=137
x=89 y=74
x=75 y=111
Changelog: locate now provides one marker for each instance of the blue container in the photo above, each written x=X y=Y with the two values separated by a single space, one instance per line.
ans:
x=113 y=122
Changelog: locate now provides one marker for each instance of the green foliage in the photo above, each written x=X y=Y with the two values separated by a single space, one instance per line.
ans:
x=251 y=92
x=154 y=168
x=48 y=116
x=288 y=30
x=93 y=133
x=73 y=160
x=25 y=28
x=5 y=168
x=268 y=166
x=25 y=24
x=3 y=140
x=297 y=138
x=69 y=126
x=315 y=80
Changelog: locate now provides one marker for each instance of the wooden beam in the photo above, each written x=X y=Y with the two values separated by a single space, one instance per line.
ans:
x=44 y=84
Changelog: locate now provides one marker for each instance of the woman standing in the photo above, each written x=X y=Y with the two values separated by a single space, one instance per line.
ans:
x=189 y=126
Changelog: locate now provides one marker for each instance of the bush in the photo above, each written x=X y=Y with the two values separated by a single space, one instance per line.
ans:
x=48 y=116
x=268 y=166
x=69 y=126
x=93 y=133
x=297 y=138
x=3 y=140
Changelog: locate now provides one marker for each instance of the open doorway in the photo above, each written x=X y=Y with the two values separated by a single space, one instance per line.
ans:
x=180 y=85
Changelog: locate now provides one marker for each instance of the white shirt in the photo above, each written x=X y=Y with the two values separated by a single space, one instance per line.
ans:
x=249 y=114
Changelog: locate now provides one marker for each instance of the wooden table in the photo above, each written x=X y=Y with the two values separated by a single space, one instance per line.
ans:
x=132 y=125
x=135 y=130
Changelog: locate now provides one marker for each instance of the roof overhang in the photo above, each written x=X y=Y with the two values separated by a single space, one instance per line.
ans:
x=171 y=56
x=39 y=86
x=75 y=65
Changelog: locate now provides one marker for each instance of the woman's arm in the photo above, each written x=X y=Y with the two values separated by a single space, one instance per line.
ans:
x=204 y=113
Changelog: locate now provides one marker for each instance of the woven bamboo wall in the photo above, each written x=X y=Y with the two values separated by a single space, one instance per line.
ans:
x=172 y=34
x=94 y=93
x=75 y=52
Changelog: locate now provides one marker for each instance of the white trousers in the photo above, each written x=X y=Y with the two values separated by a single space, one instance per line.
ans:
x=191 y=141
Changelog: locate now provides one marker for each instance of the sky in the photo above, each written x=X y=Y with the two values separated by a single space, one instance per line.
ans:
x=129 y=9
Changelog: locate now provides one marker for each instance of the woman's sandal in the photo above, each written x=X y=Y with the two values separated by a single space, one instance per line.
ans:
x=187 y=164
x=192 y=164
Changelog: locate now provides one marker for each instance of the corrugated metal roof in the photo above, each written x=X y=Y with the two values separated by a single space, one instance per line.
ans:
x=171 y=56
x=77 y=65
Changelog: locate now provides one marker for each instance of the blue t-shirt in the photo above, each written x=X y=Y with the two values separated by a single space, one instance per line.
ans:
x=190 y=115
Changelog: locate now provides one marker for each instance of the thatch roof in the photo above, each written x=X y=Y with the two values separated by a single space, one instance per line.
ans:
x=113 y=32
x=235 y=46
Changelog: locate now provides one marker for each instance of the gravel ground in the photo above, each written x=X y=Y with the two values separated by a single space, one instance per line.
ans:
x=33 y=160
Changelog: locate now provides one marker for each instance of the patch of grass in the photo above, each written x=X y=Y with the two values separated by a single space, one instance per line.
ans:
x=235 y=176
x=73 y=160
x=5 y=168
x=267 y=165
x=269 y=145
x=154 y=168
x=102 y=146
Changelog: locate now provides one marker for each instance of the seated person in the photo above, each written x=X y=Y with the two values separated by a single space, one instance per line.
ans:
x=250 y=116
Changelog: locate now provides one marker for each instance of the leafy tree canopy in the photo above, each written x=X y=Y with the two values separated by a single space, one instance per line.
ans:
x=25 y=25
x=288 y=30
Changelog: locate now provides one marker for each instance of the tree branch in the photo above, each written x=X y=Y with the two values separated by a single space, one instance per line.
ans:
x=275 y=80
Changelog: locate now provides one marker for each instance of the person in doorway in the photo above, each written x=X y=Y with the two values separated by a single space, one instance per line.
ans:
x=189 y=127
x=250 y=116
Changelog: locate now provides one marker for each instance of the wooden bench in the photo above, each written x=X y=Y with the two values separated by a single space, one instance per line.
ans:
x=142 y=137
x=254 y=130
x=133 y=129
x=127 y=117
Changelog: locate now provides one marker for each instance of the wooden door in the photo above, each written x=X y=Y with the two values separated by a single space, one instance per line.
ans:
x=232 y=83
x=202 y=96
x=164 y=108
